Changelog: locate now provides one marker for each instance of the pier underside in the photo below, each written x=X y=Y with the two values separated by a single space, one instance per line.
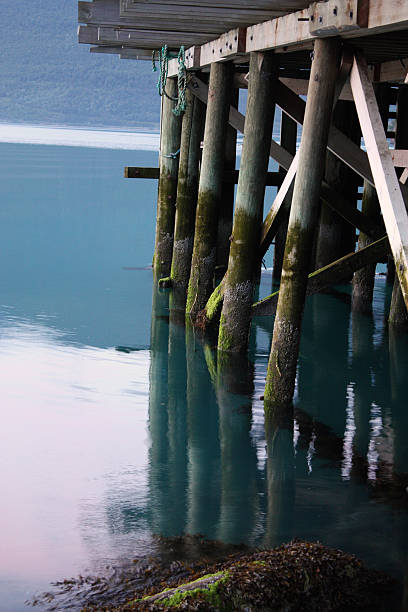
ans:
x=350 y=60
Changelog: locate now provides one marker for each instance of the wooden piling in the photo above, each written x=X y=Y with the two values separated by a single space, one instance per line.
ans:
x=288 y=136
x=363 y=279
x=280 y=382
x=335 y=237
x=187 y=189
x=227 y=199
x=246 y=232
x=210 y=188
x=398 y=311
x=166 y=200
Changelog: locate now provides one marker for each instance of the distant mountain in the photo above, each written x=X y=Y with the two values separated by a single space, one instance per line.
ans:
x=46 y=77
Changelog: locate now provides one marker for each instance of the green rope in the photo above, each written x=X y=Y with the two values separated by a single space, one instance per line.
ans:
x=163 y=58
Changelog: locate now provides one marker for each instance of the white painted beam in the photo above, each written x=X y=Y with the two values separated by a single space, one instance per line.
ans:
x=382 y=166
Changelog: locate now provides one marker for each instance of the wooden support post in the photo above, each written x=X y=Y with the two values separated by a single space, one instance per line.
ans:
x=363 y=279
x=398 y=311
x=166 y=201
x=210 y=188
x=335 y=237
x=280 y=381
x=239 y=281
x=187 y=188
x=288 y=138
x=386 y=181
x=227 y=200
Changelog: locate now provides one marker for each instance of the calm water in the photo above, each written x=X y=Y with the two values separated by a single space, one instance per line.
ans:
x=101 y=447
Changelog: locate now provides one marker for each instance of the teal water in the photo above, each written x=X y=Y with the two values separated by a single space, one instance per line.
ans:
x=103 y=447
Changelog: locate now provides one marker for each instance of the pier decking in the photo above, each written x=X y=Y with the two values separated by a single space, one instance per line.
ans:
x=350 y=58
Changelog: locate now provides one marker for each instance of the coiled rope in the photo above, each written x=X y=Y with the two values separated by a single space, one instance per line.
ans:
x=164 y=55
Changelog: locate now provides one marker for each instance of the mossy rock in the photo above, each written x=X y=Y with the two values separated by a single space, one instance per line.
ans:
x=296 y=577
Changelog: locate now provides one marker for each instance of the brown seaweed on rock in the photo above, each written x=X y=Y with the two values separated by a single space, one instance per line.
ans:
x=299 y=576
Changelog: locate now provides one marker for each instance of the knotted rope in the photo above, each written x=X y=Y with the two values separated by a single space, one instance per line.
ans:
x=164 y=55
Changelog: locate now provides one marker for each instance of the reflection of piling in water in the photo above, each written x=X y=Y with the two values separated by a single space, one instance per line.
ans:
x=361 y=376
x=177 y=429
x=158 y=415
x=234 y=387
x=203 y=442
x=280 y=474
x=398 y=347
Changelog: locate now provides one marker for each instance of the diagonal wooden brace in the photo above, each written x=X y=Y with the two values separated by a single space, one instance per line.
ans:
x=382 y=167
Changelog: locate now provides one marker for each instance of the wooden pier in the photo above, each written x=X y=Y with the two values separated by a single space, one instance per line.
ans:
x=350 y=59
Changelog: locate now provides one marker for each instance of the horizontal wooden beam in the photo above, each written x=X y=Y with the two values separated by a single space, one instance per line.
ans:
x=400 y=158
x=273 y=179
x=293 y=32
x=284 y=6
x=333 y=274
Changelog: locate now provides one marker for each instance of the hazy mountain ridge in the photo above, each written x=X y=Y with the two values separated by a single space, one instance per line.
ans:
x=46 y=77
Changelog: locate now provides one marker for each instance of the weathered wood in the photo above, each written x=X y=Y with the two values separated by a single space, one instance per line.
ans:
x=386 y=181
x=288 y=138
x=279 y=208
x=363 y=280
x=339 y=144
x=398 y=315
x=141 y=172
x=330 y=196
x=333 y=274
x=237 y=120
x=269 y=5
x=294 y=29
x=226 y=211
x=166 y=200
x=239 y=281
x=273 y=179
x=400 y=158
x=335 y=237
x=186 y=202
x=280 y=382
x=210 y=188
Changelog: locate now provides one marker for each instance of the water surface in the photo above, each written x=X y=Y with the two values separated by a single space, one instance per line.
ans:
x=117 y=425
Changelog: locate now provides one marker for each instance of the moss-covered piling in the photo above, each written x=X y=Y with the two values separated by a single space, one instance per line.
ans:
x=227 y=199
x=187 y=189
x=166 y=200
x=288 y=136
x=243 y=258
x=281 y=375
x=210 y=188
